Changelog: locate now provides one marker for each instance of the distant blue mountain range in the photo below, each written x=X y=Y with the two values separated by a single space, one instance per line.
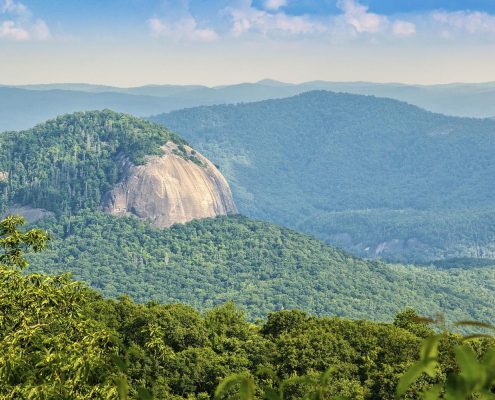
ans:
x=23 y=106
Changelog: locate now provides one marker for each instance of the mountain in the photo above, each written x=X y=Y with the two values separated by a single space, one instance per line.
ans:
x=259 y=266
x=458 y=99
x=375 y=176
x=112 y=161
x=103 y=184
x=23 y=106
x=147 y=90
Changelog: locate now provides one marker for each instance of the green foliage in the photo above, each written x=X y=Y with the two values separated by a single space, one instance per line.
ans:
x=358 y=171
x=473 y=376
x=70 y=162
x=14 y=242
x=48 y=349
x=412 y=322
x=60 y=340
x=257 y=265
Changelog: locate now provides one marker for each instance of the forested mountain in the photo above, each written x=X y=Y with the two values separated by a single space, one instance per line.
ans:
x=70 y=162
x=376 y=176
x=258 y=265
x=67 y=165
x=23 y=106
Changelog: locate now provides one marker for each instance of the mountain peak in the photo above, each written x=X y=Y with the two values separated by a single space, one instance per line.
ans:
x=89 y=160
x=273 y=83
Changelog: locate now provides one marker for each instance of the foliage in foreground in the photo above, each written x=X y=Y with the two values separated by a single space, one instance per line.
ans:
x=60 y=340
x=469 y=376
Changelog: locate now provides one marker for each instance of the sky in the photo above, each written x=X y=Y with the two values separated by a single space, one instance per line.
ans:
x=214 y=42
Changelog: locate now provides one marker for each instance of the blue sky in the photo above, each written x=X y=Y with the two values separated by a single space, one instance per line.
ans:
x=134 y=42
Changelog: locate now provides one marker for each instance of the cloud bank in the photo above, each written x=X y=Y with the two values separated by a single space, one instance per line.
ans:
x=272 y=18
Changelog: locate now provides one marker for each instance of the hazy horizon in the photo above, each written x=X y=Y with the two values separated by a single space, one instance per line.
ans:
x=260 y=81
x=136 y=42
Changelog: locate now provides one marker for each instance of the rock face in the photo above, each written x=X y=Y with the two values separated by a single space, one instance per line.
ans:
x=29 y=213
x=177 y=187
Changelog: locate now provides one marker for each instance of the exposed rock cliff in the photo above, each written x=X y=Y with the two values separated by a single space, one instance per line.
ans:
x=29 y=213
x=177 y=187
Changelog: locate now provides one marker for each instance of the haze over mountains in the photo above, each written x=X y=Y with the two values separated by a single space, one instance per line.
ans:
x=376 y=176
x=23 y=106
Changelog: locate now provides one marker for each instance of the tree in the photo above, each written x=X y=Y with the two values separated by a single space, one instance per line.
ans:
x=48 y=348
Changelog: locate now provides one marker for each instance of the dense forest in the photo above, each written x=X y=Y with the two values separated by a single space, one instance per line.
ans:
x=258 y=265
x=349 y=161
x=66 y=165
x=59 y=339
x=411 y=235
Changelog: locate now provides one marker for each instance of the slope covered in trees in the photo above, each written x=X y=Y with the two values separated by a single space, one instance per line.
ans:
x=373 y=175
x=59 y=339
x=259 y=266
x=66 y=166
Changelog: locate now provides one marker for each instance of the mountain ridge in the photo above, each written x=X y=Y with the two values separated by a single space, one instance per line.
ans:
x=344 y=153
x=257 y=265
x=31 y=104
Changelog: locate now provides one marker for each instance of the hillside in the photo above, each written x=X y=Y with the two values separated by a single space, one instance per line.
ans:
x=66 y=173
x=90 y=347
x=23 y=106
x=111 y=161
x=373 y=175
x=259 y=266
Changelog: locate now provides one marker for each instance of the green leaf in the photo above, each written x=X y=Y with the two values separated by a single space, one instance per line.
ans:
x=433 y=393
x=122 y=387
x=429 y=348
x=144 y=394
x=409 y=377
x=470 y=368
x=271 y=394
x=246 y=387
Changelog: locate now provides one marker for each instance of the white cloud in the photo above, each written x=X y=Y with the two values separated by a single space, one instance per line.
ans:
x=185 y=28
x=10 y=31
x=19 y=25
x=14 y=7
x=403 y=28
x=358 y=16
x=471 y=22
x=248 y=18
x=41 y=30
x=275 y=4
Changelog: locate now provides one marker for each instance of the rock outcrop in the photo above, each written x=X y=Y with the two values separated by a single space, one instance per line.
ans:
x=31 y=214
x=177 y=187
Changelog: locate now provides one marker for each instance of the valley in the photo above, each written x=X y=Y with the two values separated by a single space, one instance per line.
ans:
x=377 y=177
